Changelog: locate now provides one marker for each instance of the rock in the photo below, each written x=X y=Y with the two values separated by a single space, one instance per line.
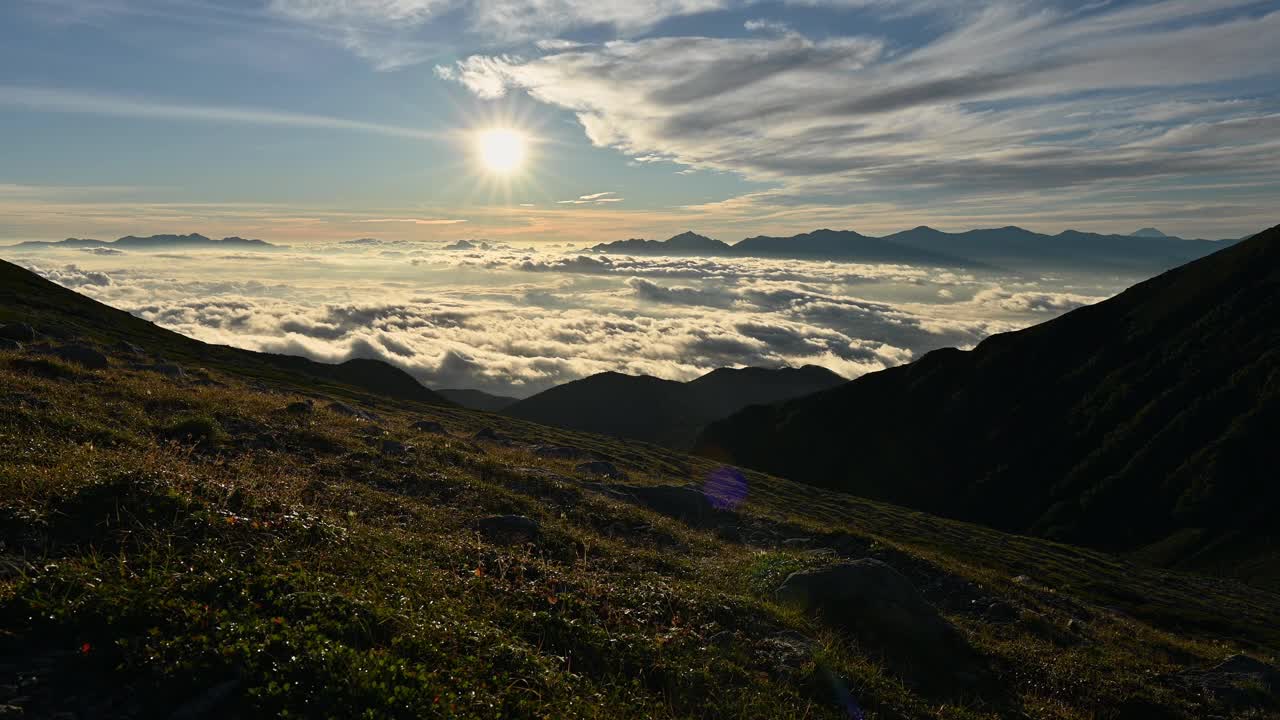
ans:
x=722 y=639
x=302 y=407
x=21 y=332
x=558 y=452
x=797 y=542
x=493 y=436
x=82 y=355
x=1077 y=626
x=885 y=614
x=429 y=426
x=124 y=346
x=169 y=370
x=680 y=502
x=393 y=447
x=10 y=345
x=508 y=527
x=342 y=408
x=1000 y=612
x=602 y=468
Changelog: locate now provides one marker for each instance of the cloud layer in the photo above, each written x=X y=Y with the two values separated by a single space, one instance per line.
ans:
x=511 y=320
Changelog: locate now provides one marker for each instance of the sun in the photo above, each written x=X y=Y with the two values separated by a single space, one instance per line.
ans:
x=502 y=151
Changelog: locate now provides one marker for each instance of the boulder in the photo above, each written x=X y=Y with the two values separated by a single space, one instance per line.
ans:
x=680 y=502
x=1000 y=612
x=493 y=436
x=395 y=448
x=20 y=332
x=429 y=426
x=603 y=468
x=11 y=345
x=1239 y=682
x=81 y=355
x=128 y=348
x=342 y=408
x=302 y=407
x=882 y=611
x=508 y=527
x=169 y=370
x=559 y=452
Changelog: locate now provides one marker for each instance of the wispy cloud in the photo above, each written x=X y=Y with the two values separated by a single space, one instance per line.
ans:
x=416 y=221
x=593 y=199
x=94 y=103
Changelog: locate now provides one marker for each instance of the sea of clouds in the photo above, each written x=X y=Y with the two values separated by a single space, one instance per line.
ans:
x=517 y=320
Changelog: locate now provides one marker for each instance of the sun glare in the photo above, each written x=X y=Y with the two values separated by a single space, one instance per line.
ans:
x=502 y=151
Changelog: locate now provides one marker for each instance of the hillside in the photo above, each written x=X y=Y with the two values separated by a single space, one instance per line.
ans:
x=665 y=412
x=206 y=543
x=26 y=297
x=477 y=399
x=1140 y=424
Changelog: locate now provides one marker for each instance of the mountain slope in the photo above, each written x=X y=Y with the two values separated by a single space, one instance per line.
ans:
x=1138 y=424
x=30 y=298
x=846 y=245
x=477 y=399
x=665 y=412
x=208 y=545
x=686 y=243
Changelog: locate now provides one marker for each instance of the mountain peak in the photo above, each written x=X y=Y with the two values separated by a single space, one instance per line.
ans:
x=1149 y=232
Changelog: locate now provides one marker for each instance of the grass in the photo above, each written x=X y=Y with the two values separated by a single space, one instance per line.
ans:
x=174 y=544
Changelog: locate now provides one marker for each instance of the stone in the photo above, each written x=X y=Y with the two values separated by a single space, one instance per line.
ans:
x=393 y=447
x=430 y=426
x=602 y=468
x=1000 y=612
x=508 y=527
x=342 y=408
x=302 y=407
x=493 y=436
x=10 y=345
x=880 y=609
x=82 y=355
x=558 y=452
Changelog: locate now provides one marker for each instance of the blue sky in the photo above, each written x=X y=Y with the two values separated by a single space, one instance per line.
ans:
x=331 y=119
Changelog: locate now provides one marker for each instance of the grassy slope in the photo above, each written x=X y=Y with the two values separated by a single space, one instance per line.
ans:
x=163 y=537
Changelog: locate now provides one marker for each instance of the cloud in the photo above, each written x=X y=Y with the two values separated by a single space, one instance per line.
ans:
x=763 y=25
x=416 y=221
x=1035 y=102
x=94 y=103
x=593 y=199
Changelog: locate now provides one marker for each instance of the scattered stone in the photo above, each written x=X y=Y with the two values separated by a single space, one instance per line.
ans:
x=302 y=407
x=81 y=355
x=342 y=408
x=508 y=527
x=559 y=452
x=393 y=447
x=493 y=436
x=1239 y=682
x=11 y=345
x=797 y=542
x=602 y=468
x=429 y=426
x=881 y=609
x=21 y=332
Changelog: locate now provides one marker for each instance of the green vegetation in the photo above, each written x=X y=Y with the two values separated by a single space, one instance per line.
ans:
x=209 y=545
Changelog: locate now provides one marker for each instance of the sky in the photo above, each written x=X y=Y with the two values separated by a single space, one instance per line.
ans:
x=319 y=121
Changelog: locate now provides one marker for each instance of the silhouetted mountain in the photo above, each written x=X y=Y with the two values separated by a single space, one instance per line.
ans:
x=154 y=242
x=27 y=296
x=477 y=399
x=665 y=412
x=1016 y=248
x=686 y=243
x=1009 y=248
x=1143 y=423
x=845 y=245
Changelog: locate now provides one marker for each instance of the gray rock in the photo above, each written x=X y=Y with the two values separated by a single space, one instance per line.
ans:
x=797 y=542
x=493 y=436
x=1000 y=612
x=558 y=452
x=508 y=527
x=885 y=614
x=21 y=332
x=82 y=355
x=302 y=407
x=429 y=426
x=602 y=468
x=342 y=408
x=169 y=370
x=393 y=447
x=680 y=502
x=11 y=345
x=1240 y=682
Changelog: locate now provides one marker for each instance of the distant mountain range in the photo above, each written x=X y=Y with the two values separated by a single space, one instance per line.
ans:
x=1145 y=423
x=665 y=412
x=1009 y=248
x=152 y=242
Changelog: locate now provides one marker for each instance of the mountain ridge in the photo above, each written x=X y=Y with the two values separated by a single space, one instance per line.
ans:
x=151 y=242
x=1067 y=428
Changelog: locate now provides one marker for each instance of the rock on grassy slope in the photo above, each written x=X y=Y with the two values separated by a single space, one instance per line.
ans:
x=216 y=543
x=1144 y=423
